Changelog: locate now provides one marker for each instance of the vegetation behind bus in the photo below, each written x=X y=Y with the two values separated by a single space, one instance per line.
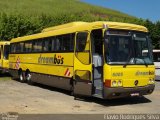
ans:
x=15 y=22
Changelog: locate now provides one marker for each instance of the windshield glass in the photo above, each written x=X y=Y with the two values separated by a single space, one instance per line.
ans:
x=127 y=48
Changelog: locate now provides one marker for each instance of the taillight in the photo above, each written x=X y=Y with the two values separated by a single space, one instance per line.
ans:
x=107 y=83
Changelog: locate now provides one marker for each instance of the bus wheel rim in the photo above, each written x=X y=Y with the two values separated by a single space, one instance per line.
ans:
x=28 y=77
x=21 y=77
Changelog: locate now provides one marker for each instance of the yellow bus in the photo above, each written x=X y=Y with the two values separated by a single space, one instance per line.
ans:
x=4 y=55
x=101 y=59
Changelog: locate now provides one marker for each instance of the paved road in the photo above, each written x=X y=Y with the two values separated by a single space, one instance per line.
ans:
x=39 y=99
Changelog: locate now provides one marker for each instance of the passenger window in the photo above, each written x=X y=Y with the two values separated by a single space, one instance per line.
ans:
x=81 y=41
x=83 y=48
x=52 y=44
x=68 y=42
x=57 y=44
x=21 y=47
x=12 y=48
x=46 y=45
x=37 y=46
x=28 y=47
x=17 y=47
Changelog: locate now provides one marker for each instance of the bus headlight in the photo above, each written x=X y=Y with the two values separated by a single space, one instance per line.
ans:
x=119 y=83
x=114 y=83
x=152 y=80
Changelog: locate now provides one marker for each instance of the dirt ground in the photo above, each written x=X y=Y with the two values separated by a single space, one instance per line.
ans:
x=26 y=99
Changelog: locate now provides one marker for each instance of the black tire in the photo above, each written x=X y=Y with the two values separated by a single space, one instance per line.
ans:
x=74 y=95
x=72 y=87
x=72 y=91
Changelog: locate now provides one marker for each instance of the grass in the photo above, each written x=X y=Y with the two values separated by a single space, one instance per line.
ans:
x=25 y=17
x=57 y=7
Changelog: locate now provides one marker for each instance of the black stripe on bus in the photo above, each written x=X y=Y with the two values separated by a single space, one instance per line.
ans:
x=81 y=80
x=41 y=73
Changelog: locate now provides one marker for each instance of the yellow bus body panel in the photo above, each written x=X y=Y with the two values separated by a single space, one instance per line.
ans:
x=4 y=63
x=130 y=74
x=44 y=63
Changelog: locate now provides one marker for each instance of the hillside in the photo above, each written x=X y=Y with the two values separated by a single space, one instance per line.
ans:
x=56 y=7
x=23 y=17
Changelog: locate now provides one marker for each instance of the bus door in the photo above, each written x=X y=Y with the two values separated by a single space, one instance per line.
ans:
x=97 y=62
x=82 y=65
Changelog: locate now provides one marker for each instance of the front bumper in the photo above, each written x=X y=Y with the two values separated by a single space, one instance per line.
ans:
x=111 y=93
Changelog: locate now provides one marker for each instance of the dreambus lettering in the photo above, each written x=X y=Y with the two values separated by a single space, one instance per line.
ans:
x=50 y=60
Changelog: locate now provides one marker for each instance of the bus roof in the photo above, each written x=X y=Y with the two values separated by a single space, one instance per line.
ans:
x=68 y=25
x=4 y=42
x=116 y=25
x=80 y=26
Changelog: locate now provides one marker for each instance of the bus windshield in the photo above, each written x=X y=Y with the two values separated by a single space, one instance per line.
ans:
x=127 y=48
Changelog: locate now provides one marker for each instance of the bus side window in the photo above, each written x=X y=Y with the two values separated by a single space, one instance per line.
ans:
x=68 y=42
x=83 y=48
x=53 y=44
x=12 y=48
x=60 y=43
x=37 y=46
x=28 y=47
x=57 y=44
x=21 y=47
x=72 y=36
x=46 y=45
x=18 y=48
x=33 y=45
x=81 y=41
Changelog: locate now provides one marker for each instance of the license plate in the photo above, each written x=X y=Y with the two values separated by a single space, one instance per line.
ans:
x=135 y=94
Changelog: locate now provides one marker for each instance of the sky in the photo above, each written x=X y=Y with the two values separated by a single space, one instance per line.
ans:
x=146 y=9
